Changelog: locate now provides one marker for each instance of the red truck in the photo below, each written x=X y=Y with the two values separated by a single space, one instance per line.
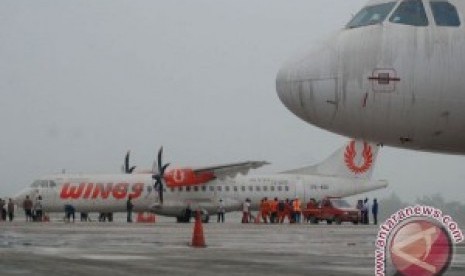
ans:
x=331 y=209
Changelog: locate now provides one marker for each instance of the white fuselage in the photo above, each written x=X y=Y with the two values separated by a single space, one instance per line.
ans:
x=108 y=193
x=421 y=103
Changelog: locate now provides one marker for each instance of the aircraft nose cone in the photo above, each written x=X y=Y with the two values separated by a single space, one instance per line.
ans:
x=286 y=92
x=308 y=87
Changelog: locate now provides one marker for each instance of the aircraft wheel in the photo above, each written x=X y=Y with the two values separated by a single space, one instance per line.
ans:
x=313 y=220
x=328 y=221
x=338 y=220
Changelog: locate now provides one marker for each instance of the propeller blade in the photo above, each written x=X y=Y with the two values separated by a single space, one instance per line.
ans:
x=154 y=168
x=160 y=193
x=126 y=162
x=164 y=169
x=160 y=153
x=158 y=174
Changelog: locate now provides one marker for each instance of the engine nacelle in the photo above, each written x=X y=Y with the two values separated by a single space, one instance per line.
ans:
x=187 y=177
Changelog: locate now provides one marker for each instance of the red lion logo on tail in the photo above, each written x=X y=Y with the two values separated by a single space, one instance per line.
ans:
x=349 y=158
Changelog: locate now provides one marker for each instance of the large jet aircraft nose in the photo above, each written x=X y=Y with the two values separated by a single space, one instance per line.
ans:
x=286 y=93
x=308 y=87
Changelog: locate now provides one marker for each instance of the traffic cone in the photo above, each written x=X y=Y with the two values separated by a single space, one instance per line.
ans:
x=198 y=240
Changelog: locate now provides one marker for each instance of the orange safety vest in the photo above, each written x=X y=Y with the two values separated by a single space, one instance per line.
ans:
x=266 y=207
x=274 y=206
x=296 y=205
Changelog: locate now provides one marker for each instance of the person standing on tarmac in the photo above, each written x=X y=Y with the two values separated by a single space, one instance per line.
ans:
x=246 y=211
x=288 y=210
x=374 y=210
x=11 y=209
x=296 y=210
x=129 y=208
x=27 y=206
x=274 y=210
x=38 y=208
x=266 y=210
x=2 y=203
x=366 y=211
x=221 y=211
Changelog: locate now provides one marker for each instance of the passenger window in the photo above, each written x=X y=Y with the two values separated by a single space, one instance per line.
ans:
x=204 y=188
x=445 y=14
x=188 y=188
x=251 y=188
x=272 y=188
x=371 y=15
x=196 y=188
x=265 y=188
x=219 y=188
x=410 y=12
x=243 y=188
x=226 y=188
x=280 y=188
x=286 y=188
x=212 y=188
x=180 y=189
x=235 y=188
x=257 y=188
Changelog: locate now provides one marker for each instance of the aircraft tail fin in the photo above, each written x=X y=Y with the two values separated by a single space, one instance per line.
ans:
x=356 y=159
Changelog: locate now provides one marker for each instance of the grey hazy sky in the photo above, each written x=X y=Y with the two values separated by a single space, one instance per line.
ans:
x=83 y=81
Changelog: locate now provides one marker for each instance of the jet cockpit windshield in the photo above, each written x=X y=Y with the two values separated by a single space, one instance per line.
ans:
x=371 y=15
x=43 y=184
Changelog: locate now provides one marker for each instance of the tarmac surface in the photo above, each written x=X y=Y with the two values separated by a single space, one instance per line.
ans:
x=93 y=248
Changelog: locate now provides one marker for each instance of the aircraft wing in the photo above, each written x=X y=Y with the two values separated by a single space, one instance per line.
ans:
x=231 y=170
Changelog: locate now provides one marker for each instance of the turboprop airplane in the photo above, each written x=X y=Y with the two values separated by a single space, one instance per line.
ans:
x=393 y=75
x=347 y=172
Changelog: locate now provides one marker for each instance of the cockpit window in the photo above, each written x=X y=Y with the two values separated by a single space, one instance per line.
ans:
x=410 y=12
x=35 y=184
x=371 y=15
x=445 y=14
x=40 y=184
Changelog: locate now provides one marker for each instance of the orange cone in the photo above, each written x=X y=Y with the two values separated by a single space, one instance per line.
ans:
x=198 y=240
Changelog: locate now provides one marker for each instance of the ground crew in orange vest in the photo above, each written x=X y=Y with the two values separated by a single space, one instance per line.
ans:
x=288 y=210
x=262 y=211
x=266 y=210
x=274 y=210
x=296 y=209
